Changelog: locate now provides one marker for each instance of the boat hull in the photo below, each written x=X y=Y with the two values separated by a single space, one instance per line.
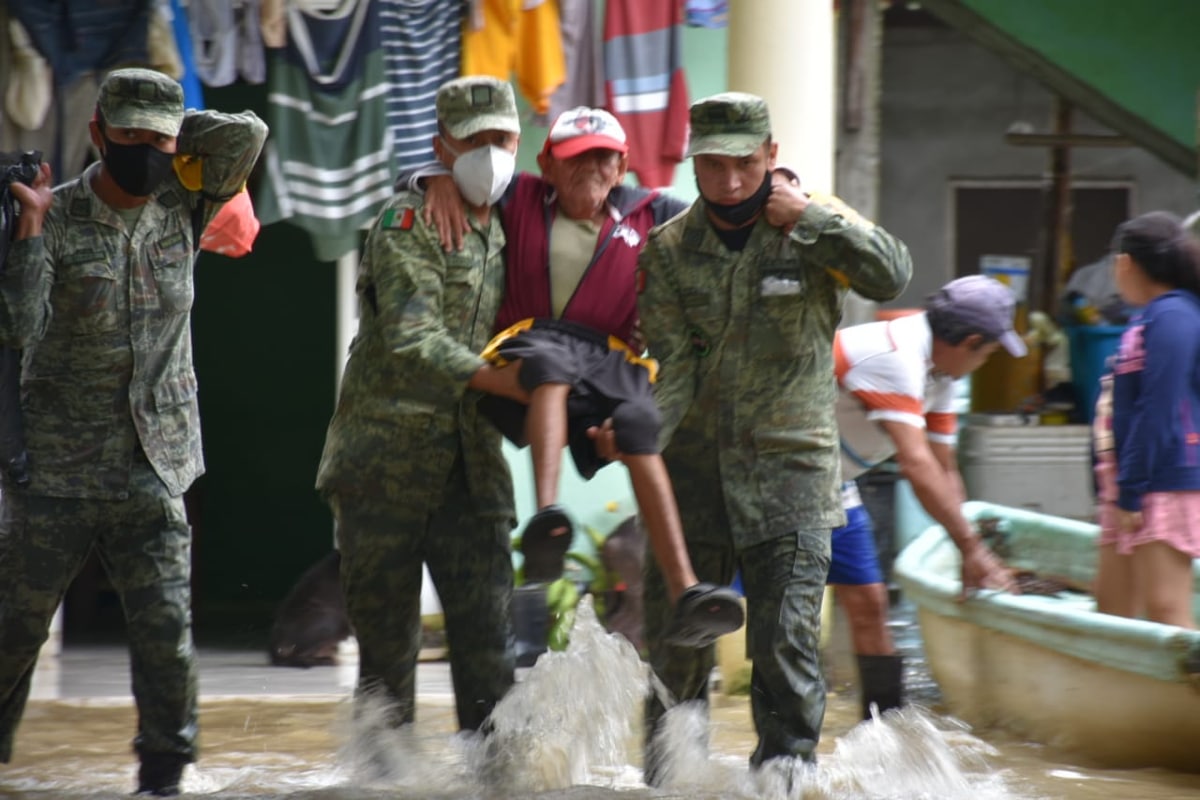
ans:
x=1118 y=692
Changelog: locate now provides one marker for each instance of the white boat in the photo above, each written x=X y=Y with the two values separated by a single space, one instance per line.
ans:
x=1050 y=669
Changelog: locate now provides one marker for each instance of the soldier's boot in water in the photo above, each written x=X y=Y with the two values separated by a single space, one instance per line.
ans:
x=160 y=774
x=881 y=682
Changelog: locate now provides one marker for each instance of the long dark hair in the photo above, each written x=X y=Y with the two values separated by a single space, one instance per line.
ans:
x=1166 y=251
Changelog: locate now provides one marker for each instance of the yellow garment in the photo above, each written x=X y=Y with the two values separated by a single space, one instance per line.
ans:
x=190 y=171
x=514 y=39
x=491 y=353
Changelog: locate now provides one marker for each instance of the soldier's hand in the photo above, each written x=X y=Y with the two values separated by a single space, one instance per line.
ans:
x=637 y=340
x=982 y=569
x=444 y=210
x=605 y=439
x=35 y=201
x=786 y=203
x=502 y=381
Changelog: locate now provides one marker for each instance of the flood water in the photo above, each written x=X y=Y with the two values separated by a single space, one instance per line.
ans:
x=568 y=731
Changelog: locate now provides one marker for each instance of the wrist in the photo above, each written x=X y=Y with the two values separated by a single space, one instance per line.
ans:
x=29 y=225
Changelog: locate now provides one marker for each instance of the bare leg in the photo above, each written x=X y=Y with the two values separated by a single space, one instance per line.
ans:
x=1163 y=581
x=656 y=501
x=546 y=429
x=1114 y=583
x=866 y=611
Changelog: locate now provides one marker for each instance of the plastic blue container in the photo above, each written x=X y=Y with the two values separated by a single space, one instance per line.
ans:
x=1092 y=346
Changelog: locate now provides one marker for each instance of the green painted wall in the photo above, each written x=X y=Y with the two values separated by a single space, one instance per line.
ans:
x=1142 y=54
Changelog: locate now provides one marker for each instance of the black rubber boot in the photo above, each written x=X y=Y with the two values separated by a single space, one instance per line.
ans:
x=881 y=681
x=160 y=773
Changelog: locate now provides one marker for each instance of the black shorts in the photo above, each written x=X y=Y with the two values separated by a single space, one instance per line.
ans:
x=604 y=383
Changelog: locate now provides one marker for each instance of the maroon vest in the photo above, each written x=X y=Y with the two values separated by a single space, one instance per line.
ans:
x=606 y=298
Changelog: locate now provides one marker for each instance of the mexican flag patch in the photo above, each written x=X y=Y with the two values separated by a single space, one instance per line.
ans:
x=401 y=218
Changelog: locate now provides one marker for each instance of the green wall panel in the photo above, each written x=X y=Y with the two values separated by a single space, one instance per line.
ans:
x=1144 y=54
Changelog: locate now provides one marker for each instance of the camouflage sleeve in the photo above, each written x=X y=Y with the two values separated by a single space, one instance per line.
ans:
x=226 y=146
x=668 y=338
x=409 y=178
x=25 y=285
x=407 y=270
x=856 y=252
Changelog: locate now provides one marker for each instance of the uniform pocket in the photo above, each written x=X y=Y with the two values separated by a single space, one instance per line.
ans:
x=174 y=400
x=171 y=263
x=85 y=294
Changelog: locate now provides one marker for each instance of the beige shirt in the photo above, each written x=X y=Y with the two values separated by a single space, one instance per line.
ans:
x=572 y=245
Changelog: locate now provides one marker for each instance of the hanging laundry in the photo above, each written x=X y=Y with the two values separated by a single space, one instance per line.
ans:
x=503 y=37
x=31 y=118
x=227 y=41
x=193 y=95
x=81 y=40
x=30 y=81
x=707 y=13
x=273 y=21
x=78 y=36
x=422 y=42
x=585 y=68
x=329 y=159
x=644 y=80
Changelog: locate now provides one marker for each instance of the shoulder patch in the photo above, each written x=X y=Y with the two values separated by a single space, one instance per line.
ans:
x=398 y=218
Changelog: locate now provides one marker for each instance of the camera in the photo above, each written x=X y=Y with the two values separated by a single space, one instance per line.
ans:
x=20 y=167
x=14 y=459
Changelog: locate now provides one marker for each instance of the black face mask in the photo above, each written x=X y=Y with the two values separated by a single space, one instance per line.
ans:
x=738 y=214
x=137 y=168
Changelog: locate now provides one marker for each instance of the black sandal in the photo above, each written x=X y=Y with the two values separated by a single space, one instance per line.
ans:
x=543 y=549
x=704 y=613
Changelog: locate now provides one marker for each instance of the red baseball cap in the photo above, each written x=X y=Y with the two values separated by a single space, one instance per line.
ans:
x=583 y=129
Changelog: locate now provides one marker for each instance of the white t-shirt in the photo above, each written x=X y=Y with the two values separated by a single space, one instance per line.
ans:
x=885 y=372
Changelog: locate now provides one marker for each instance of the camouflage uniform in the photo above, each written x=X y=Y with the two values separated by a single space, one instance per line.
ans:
x=109 y=400
x=747 y=393
x=412 y=470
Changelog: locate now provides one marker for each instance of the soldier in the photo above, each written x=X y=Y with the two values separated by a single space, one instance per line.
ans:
x=98 y=291
x=568 y=323
x=411 y=469
x=740 y=299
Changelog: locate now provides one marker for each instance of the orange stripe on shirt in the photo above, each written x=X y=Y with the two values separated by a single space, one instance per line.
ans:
x=890 y=401
x=941 y=422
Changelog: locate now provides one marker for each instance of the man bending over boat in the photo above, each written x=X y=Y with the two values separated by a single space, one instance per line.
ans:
x=897 y=394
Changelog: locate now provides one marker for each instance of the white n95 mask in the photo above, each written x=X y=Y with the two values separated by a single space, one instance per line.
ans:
x=483 y=174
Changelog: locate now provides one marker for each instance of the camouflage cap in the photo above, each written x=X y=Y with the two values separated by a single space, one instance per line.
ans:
x=477 y=103
x=728 y=124
x=141 y=98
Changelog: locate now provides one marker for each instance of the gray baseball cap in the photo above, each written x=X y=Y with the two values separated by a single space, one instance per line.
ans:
x=141 y=98
x=728 y=124
x=466 y=106
x=981 y=304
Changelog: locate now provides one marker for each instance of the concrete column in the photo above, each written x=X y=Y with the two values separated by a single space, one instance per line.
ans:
x=783 y=51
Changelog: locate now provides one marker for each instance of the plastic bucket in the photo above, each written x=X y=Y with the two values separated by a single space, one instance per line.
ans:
x=1091 y=348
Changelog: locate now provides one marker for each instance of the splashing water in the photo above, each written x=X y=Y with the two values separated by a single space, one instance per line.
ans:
x=570 y=730
x=570 y=721
x=907 y=754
